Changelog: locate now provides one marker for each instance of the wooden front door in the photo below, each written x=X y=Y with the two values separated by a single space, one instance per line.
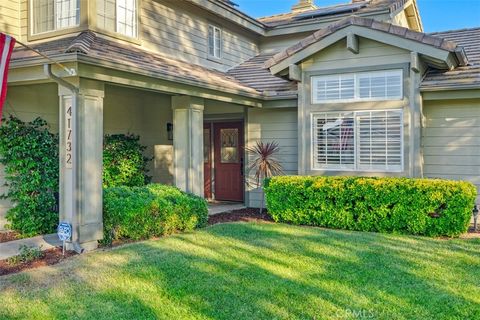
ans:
x=227 y=181
x=228 y=165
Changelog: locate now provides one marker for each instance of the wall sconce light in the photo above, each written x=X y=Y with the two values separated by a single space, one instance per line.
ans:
x=170 y=131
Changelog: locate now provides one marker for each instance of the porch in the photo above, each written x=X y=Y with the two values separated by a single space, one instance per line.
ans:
x=169 y=125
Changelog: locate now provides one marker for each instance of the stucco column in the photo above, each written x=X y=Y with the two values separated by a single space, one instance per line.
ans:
x=188 y=143
x=81 y=163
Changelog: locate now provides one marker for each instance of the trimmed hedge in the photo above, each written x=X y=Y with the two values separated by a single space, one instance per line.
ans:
x=428 y=207
x=153 y=210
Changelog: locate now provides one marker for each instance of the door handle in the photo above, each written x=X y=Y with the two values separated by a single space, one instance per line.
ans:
x=241 y=166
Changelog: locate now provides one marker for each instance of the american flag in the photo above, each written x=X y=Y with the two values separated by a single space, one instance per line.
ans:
x=6 y=47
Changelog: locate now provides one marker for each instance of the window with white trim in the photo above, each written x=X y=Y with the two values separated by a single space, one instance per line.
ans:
x=360 y=86
x=358 y=140
x=118 y=16
x=214 y=42
x=52 y=15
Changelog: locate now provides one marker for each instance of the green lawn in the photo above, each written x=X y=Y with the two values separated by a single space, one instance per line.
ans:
x=257 y=271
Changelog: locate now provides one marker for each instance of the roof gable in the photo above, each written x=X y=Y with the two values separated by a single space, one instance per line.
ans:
x=442 y=53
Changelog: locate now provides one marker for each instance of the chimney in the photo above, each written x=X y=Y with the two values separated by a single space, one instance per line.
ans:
x=303 y=5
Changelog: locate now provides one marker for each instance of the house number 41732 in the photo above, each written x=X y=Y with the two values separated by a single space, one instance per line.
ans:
x=68 y=137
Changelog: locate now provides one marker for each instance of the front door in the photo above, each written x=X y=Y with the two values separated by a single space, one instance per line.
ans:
x=226 y=182
x=228 y=165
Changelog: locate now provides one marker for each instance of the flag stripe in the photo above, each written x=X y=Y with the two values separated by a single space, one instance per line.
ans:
x=6 y=47
x=3 y=61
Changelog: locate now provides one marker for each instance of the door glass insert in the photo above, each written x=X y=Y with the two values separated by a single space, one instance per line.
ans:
x=206 y=145
x=229 y=145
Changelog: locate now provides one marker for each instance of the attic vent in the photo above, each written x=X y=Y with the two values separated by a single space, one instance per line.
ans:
x=327 y=11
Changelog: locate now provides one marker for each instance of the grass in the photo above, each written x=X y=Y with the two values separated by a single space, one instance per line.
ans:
x=257 y=271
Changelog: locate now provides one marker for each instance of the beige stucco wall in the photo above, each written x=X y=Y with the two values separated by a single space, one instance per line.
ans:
x=28 y=103
x=146 y=114
x=337 y=58
x=451 y=140
x=269 y=125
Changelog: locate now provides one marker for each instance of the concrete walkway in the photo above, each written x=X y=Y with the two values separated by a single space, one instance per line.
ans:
x=12 y=248
x=222 y=207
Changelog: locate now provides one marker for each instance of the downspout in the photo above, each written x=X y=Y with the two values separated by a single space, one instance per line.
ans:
x=73 y=216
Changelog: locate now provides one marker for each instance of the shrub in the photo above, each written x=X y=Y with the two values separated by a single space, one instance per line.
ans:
x=27 y=254
x=154 y=210
x=29 y=153
x=123 y=161
x=428 y=207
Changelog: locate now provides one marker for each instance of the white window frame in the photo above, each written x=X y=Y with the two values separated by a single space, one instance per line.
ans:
x=356 y=167
x=356 y=76
x=55 y=18
x=216 y=47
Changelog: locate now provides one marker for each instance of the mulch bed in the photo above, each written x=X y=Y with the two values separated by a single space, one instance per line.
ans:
x=9 y=236
x=50 y=257
x=247 y=214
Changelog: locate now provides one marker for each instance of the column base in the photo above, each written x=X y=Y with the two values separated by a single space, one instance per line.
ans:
x=81 y=247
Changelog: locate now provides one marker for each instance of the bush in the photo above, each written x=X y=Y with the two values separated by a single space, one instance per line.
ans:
x=154 y=210
x=29 y=153
x=123 y=161
x=27 y=254
x=428 y=207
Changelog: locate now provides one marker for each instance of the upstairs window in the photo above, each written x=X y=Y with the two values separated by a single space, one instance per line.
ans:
x=360 y=140
x=361 y=86
x=214 y=42
x=52 y=15
x=118 y=16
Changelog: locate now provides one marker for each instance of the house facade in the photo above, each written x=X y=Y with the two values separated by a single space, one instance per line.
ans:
x=352 y=89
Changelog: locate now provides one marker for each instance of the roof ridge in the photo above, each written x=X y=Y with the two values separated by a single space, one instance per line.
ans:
x=82 y=43
x=310 y=10
x=381 y=26
x=391 y=5
x=454 y=30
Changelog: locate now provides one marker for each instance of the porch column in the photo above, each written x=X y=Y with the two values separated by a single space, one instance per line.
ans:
x=188 y=143
x=81 y=163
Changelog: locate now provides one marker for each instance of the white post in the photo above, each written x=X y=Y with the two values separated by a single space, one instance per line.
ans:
x=81 y=163
x=188 y=143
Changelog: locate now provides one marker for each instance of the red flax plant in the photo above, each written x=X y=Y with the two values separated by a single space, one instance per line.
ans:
x=263 y=163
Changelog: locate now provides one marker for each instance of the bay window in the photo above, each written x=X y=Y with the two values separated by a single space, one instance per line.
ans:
x=358 y=140
x=52 y=15
x=118 y=16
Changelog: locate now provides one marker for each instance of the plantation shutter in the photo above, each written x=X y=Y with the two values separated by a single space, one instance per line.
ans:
x=336 y=87
x=379 y=140
x=334 y=142
x=358 y=140
x=380 y=85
